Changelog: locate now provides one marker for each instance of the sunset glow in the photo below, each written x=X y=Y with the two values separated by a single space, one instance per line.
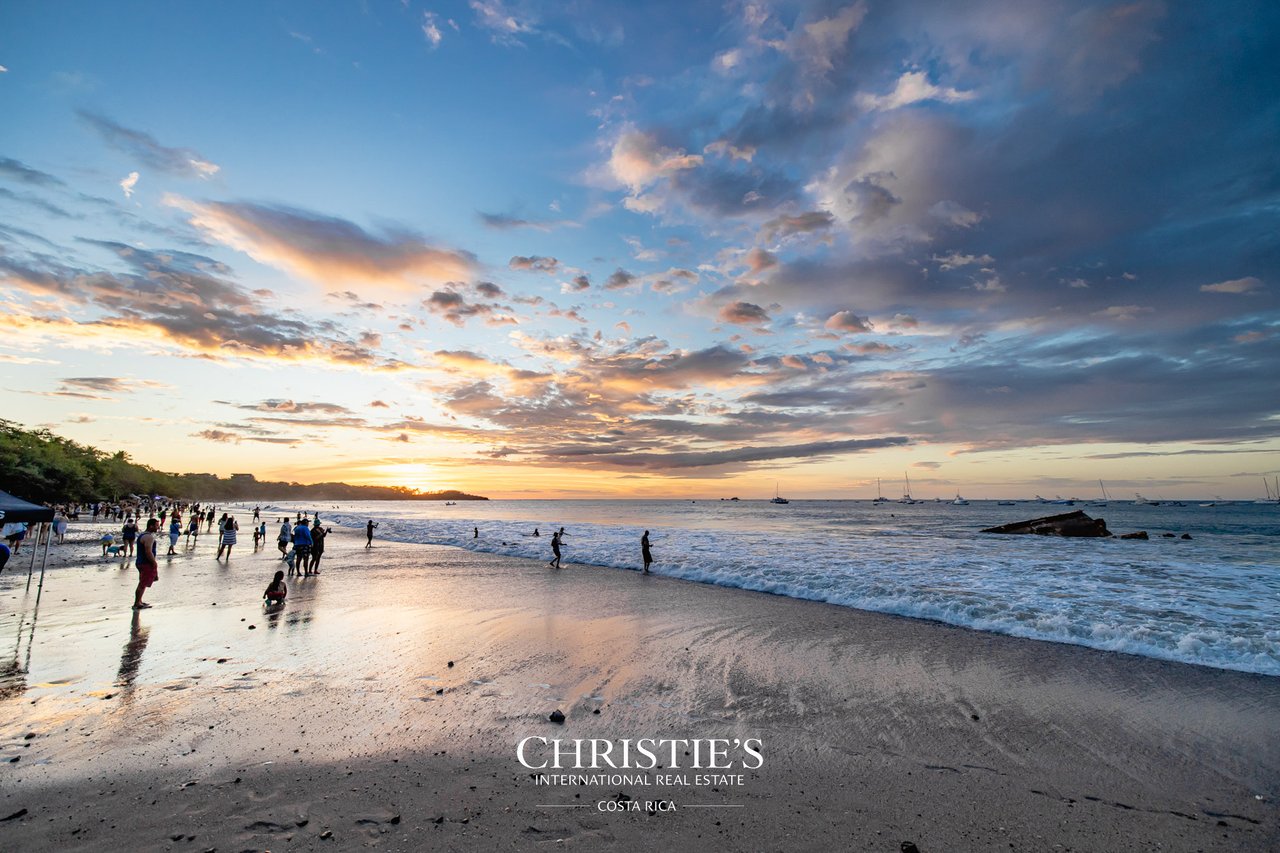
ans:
x=623 y=250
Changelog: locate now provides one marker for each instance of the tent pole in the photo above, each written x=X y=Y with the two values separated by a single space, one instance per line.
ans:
x=34 y=545
x=47 y=544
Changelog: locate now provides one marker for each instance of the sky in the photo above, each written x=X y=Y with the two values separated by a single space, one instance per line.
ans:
x=587 y=249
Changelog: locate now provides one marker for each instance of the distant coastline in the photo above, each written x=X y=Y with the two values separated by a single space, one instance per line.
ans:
x=39 y=466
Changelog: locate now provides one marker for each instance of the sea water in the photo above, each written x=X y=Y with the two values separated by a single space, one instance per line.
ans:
x=1212 y=600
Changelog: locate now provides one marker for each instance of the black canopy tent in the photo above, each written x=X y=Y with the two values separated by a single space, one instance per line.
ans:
x=15 y=510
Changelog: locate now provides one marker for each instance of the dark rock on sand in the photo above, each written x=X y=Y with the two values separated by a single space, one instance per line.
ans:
x=909 y=847
x=557 y=716
x=450 y=664
x=19 y=813
x=1068 y=524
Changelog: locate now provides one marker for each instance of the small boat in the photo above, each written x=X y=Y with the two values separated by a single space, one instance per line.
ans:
x=1006 y=503
x=1059 y=501
x=959 y=501
x=777 y=496
x=906 y=494
x=879 y=498
x=1139 y=500
x=1106 y=498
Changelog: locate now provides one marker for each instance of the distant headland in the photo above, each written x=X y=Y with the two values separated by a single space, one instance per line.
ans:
x=37 y=465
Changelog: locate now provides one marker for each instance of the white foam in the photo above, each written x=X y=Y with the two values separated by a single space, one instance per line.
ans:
x=1211 y=604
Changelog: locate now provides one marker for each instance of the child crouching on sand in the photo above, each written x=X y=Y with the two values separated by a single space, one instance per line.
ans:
x=276 y=591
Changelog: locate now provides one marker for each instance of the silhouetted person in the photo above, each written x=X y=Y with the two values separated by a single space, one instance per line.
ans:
x=317 y=546
x=368 y=530
x=555 y=548
x=645 y=552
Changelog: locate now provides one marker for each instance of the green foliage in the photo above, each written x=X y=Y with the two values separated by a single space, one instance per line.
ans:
x=38 y=466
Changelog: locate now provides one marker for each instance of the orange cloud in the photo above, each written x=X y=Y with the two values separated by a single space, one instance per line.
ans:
x=326 y=250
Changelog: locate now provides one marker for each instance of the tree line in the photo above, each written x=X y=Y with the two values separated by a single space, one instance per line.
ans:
x=39 y=466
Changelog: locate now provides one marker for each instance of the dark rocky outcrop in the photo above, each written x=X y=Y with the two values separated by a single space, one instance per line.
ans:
x=1068 y=524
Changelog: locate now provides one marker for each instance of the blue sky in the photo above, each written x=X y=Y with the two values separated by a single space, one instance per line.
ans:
x=647 y=249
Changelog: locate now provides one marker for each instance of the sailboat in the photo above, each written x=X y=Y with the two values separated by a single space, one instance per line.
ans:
x=906 y=494
x=777 y=496
x=959 y=501
x=1270 y=498
x=879 y=499
x=1106 y=498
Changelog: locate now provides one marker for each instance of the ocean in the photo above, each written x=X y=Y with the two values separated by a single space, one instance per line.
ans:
x=1213 y=600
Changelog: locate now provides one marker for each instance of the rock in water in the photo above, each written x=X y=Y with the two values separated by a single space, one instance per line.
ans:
x=557 y=716
x=1068 y=524
x=1141 y=534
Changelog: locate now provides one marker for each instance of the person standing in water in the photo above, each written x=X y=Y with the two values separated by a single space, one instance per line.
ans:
x=645 y=552
x=229 y=528
x=317 y=546
x=148 y=567
x=286 y=533
x=555 y=548
x=175 y=533
x=368 y=529
x=129 y=533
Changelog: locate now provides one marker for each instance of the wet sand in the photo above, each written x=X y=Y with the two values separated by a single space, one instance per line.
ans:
x=337 y=723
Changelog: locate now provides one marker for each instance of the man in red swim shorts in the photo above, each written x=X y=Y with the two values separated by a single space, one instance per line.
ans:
x=148 y=568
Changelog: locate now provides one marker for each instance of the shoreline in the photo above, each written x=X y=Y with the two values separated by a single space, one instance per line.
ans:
x=876 y=729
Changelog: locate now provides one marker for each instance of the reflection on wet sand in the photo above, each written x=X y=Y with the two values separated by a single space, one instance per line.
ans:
x=13 y=675
x=131 y=660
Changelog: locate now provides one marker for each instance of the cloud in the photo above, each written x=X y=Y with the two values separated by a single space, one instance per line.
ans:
x=452 y=305
x=431 y=30
x=758 y=260
x=1123 y=313
x=15 y=170
x=535 y=263
x=678 y=460
x=504 y=24
x=912 y=88
x=619 y=279
x=781 y=227
x=955 y=260
x=744 y=314
x=182 y=300
x=278 y=406
x=847 y=321
x=506 y=222
x=326 y=249
x=1235 y=285
x=182 y=162
x=579 y=283
x=128 y=184
x=102 y=387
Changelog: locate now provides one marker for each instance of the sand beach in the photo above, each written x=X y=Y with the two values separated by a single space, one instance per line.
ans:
x=382 y=707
